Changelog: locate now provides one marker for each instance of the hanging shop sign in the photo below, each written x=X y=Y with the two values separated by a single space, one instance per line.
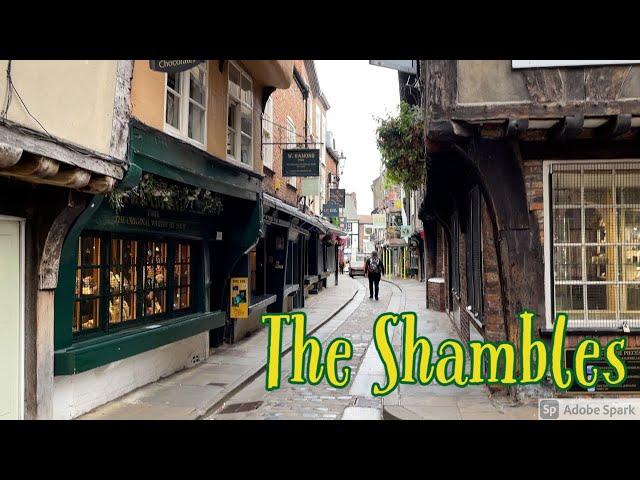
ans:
x=239 y=307
x=630 y=357
x=379 y=220
x=301 y=162
x=407 y=66
x=405 y=231
x=330 y=210
x=337 y=196
x=310 y=186
x=173 y=66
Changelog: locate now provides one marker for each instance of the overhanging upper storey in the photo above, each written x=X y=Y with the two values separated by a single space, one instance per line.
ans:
x=532 y=101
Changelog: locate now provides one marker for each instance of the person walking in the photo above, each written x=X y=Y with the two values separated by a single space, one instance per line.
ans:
x=373 y=270
x=342 y=266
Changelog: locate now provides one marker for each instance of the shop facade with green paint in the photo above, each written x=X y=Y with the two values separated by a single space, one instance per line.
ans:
x=144 y=273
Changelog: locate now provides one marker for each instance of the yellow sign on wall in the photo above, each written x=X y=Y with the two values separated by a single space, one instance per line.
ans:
x=239 y=291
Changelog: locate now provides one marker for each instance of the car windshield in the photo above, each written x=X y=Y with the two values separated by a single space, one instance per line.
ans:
x=360 y=258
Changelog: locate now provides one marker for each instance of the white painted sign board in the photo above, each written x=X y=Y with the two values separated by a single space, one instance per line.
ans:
x=566 y=63
x=407 y=66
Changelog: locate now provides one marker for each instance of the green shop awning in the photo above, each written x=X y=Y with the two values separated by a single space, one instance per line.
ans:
x=156 y=152
x=270 y=201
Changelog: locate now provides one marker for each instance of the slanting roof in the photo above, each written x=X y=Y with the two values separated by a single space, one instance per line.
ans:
x=273 y=202
x=310 y=66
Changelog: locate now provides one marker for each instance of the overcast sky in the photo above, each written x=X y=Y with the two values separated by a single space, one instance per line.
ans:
x=357 y=92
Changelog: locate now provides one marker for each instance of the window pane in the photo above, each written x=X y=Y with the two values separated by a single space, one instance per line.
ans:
x=245 y=154
x=177 y=275
x=86 y=315
x=234 y=81
x=601 y=297
x=599 y=225
x=246 y=121
x=231 y=143
x=173 y=81
x=569 y=299
x=173 y=110
x=115 y=310
x=90 y=250
x=630 y=302
x=598 y=187
x=155 y=302
x=115 y=280
x=567 y=225
x=186 y=275
x=129 y=307
x=185 y=250
x=567 y=263
x=129 y=252
x=629 y=263
x=116 y=252
x=196 y=123
x=90 y=281
x=247 y=96
x=197 y=86
x=600 y=263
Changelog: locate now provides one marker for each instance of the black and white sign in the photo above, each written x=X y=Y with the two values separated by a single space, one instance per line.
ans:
x=301 y=162
x=173 y=66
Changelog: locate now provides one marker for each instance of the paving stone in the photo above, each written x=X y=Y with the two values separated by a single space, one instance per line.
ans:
x=361 y=413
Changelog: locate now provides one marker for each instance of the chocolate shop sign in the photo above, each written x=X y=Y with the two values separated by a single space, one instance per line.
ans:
x=173 y=66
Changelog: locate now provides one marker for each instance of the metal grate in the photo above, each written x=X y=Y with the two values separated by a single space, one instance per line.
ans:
x=595 y=254
x=241 y=407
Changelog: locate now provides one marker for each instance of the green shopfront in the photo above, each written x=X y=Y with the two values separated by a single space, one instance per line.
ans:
x=144 y=274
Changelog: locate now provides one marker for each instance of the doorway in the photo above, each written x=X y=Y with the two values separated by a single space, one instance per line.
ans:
x=11 y=320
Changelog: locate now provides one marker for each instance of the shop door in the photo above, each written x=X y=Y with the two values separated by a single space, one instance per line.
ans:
x=10 y=320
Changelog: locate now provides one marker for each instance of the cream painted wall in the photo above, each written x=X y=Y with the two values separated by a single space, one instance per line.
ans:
x=147 y=99
x=72 y=99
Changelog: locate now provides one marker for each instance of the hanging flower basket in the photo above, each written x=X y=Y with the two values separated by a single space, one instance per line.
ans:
x=400 y=140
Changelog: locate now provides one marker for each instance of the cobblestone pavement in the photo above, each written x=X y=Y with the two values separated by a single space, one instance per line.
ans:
x=190 y=393
x=322 y=401
x=407 y=402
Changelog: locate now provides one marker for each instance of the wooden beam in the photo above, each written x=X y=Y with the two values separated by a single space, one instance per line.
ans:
x=616 y=126
x=100 y=185
x=73 y=178
x=569 y=128
x=33 y=166
x=9 y=155
x=38 y=146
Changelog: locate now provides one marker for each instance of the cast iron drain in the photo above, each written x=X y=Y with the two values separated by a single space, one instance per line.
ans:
x=241 y=407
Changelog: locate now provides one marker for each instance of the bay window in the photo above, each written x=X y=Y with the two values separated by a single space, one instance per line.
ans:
x=121 y=281
x=186 y=104
x=240 y=116
x=594 y=252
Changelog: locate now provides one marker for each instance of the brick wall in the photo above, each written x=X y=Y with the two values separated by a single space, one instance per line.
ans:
x=533 y=183
x=492 y=300
x=286 y=103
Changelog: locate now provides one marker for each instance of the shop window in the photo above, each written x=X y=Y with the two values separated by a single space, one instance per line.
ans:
x=122 y=281
x=595 y=243
x=474 y=255
x=240 y=116
x=186 y=104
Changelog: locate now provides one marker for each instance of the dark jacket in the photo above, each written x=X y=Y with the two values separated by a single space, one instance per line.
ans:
x=368 y=262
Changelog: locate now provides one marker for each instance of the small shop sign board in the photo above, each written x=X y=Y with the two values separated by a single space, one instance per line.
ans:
x=337 y=196
x=310 y=186
x=330 y=210
x=630 y=357
x=301 y=162
x=173 y=66
x=239 y=301
x=405 y=231
x=379 y=220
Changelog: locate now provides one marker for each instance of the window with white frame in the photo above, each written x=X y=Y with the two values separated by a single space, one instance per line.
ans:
x=240 y=116
x=594 y=235
x=186 y=103
x=267 y=135
x=292 y=143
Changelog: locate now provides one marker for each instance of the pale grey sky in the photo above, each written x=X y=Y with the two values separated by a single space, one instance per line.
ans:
x=357 y=92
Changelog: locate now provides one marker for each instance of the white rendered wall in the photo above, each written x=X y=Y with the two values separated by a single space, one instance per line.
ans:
x=75 y=395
